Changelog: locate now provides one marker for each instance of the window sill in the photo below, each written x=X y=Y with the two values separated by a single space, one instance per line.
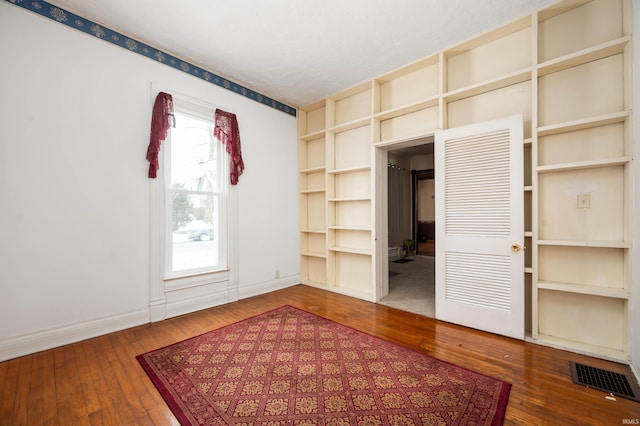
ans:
x=196 y=279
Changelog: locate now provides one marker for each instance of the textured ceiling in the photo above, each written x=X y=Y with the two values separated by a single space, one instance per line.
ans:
x=300 y=51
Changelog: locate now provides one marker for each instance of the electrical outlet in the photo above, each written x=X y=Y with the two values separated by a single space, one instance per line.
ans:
x=584 y=201
x=277 y=273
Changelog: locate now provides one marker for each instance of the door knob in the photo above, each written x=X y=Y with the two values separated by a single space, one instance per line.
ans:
x=515 y=247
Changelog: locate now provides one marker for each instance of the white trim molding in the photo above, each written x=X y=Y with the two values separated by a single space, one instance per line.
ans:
x=256 y=289
x=35 y=342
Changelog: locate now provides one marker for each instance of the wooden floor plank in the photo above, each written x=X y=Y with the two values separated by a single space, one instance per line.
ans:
x=63 y=386
x=99 y=381
x=21 y=400
x=35 y=402
x=9 y=386
x=49 y=399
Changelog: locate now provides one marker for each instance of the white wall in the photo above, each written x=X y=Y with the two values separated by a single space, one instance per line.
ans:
x=74 y=215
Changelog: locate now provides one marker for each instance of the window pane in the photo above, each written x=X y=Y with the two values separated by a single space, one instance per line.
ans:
x=195 y=243
x=193 y=155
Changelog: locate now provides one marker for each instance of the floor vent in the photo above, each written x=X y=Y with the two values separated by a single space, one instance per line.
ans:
x=607 y=381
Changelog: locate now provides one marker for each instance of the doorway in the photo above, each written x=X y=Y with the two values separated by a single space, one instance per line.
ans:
x=424 y=211
x=409 y=283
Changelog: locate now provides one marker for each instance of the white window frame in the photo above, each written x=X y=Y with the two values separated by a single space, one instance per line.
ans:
x=222 y=171
x=169 y=289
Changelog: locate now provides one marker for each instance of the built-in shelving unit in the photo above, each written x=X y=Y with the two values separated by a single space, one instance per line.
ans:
x=567 y=70
x=582 y=237
x=349 y=194
x=312 y=194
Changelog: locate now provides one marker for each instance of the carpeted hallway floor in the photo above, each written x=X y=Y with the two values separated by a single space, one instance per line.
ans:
x=412 y=286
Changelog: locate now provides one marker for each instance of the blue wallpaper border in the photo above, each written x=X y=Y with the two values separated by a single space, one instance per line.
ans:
x=89 y=27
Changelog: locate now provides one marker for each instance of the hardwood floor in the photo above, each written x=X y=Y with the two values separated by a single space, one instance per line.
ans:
x=99 y=382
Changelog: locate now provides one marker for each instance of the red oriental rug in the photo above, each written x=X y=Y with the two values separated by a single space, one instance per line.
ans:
x=292 y=367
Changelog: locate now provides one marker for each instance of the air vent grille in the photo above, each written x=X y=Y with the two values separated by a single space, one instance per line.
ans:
x=607 y=381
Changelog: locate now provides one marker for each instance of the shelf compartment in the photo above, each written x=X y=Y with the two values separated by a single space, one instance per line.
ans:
x=313 y=271
x=408 y=85
x=579 y=165
x=584 y=123
x=345 y=199
x=314 y=231
x=352 y=148
x=352 y=273
x=350 y=241
x=417 y=122
x=527 y=154
x=313 y=121
x=350 y=215
x=312 y=210
x=485 y=58
x=592 y=22
x=586 y=243
x=591 y=54
x=592 y=89
x=616 y=293
x=348 y=170
x=351 y=105
x=313 y=254
x=489 y=85
x=588 y=319
x=350 y=227
x=528 y=209
x=579 y=347
x=350 y=250
x=350 y=125
x=314 y=135
x=511 y=100
x=408 y=108
x=313 y=244
x=582 y=348
x=528 y=253
x=355 y=185
x=592 y=202
x=311 y=154
x=560 y=8
x=601 y=267
x=319 y=169
x=602 y=143
x=312 y=182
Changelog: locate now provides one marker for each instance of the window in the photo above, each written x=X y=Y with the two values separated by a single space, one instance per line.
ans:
x=195 y=195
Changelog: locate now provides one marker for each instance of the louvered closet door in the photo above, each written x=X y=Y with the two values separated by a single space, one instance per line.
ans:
x=480 y=226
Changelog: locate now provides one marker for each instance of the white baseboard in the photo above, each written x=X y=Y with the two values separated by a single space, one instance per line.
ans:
x=197 y=303
x=256 y=289
x=187 y=305
x=635 y=373
x=181 y=303
x=158 y=309
x=36 y=342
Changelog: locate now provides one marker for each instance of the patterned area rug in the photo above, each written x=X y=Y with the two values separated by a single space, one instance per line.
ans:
x=292 y=367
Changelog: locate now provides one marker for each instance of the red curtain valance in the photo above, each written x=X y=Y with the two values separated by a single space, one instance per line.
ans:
x=226 y=131
x=161 y=120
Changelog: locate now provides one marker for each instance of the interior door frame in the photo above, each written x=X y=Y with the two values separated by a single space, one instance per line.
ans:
x=381 y=214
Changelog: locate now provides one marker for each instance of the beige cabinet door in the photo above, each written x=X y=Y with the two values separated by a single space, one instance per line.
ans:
x=480 y=226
